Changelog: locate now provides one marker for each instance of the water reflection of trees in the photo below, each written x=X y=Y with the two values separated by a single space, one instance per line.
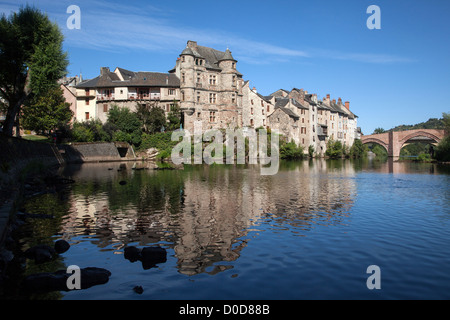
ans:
x=204 y=212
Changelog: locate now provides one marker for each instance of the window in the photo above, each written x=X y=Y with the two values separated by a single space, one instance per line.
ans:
x=268 y=108
x=251 y=122
x=262 y=103
x=171 y=92
x=87 y=101
x=86 y=92
x=212 y=116
x=198 y=78
x=303 y=120
x=262 y=111
x=264 y=122
x=234 y=81
x=212 y=80
x=251 y=111
x=183 y=77
x=105 y=108
x=233 y=98
x=121 y=91
x=251 y=101
x=198 y=96
x=182 y=95
x=86 y=115
x=233 y=65
x=212 y=98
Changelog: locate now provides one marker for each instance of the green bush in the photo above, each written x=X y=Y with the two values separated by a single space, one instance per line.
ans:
x=442 y=151
x=81 y=133
x=290 y=151
x=334 y=149
x=424 y=157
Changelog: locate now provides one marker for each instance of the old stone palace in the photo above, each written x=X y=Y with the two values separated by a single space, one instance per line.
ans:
x=208 y=87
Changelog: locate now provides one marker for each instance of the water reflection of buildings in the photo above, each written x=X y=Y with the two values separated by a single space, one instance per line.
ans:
x=204 y=213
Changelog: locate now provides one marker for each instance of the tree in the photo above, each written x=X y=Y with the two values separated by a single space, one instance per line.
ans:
x=358 y=149
x=31 y=59
x=379 y=130
x=125 y=124
x=174 y=116
x=442 y=151
x=334 y=149
x=151 y=116
x=446 y=120
x=47 y=112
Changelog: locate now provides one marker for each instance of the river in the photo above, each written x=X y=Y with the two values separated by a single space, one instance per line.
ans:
x=309 y=232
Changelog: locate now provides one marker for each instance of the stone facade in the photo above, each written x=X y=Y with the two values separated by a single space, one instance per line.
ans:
x=256 y=108
x=210 y=87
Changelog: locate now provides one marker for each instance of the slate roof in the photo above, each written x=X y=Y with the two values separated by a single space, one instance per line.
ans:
x=131 y=79
x=212 y=56
x=290 y=113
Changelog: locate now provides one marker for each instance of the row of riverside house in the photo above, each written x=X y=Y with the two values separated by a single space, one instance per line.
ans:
x=208 y=87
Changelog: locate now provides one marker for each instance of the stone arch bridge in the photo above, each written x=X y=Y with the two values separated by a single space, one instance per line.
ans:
x=394 y=141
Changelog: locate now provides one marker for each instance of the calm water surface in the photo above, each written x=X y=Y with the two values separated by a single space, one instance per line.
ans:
x=309 y=232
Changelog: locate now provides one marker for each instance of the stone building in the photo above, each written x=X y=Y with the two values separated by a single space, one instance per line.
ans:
x=124 y=88
x=256 y=108
x=210 y=87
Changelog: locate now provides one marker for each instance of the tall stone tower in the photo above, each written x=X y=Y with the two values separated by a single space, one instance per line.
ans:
x=210 y=88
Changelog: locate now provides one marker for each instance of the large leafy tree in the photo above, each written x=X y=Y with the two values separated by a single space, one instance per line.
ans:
x=47 y=112
x=31 y=59
x=152 y=117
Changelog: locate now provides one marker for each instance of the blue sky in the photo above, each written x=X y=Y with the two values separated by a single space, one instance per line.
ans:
x=397 y=75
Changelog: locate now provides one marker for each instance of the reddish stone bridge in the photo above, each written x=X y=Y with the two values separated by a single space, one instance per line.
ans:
x=394 y=141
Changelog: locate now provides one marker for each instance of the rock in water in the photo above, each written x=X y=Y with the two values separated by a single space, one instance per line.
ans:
x=138 y=289
x=132 y=253
x=57 y=281
x=61 y=246
x=151 y=256
x=40 y=253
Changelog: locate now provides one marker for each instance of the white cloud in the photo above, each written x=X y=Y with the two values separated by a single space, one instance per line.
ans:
x=116 y=27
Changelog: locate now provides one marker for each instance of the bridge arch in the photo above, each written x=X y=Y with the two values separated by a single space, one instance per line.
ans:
x=376 y=141
x=419 y=134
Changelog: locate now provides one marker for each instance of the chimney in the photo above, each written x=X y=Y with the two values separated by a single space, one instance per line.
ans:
x=328 y=97
x=192 y=44
x=347 y=105
x=334 y=101
x=104 y=70
x=254 y=90
x=339 y=101
x=167 y=80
